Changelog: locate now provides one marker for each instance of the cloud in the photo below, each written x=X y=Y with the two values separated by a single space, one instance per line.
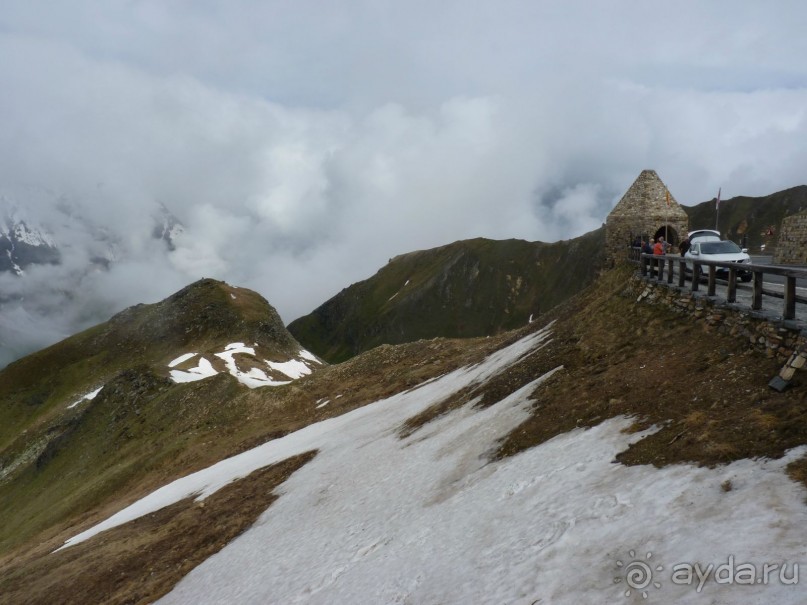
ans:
x=304 y=145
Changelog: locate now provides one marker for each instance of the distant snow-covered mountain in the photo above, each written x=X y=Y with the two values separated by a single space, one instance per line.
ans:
x=24 y=243
x=167 y=227
x=55 y=251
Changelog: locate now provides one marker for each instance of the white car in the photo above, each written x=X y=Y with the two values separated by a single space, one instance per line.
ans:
x=709 y=246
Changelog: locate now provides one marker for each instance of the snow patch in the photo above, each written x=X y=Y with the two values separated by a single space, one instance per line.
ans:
x=181 y=359
x=293 y=368
x=88 y=397
x=253 y=378
x=309 y=356
x=203 y=370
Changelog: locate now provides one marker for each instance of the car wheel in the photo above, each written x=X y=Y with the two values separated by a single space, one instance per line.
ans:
x=746 y=278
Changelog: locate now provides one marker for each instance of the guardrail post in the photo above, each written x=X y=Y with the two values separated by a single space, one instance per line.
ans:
x=756 y=301
x=654 y=265
x=731 y=291
x=790 y=298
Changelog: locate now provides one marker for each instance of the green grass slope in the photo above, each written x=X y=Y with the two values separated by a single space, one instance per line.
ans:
x=757 y=218
x=57 y=458
x=200 y=317
x=469 y=288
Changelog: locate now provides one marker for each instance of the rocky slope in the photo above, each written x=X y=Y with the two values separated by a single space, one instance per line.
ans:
x=469 y=288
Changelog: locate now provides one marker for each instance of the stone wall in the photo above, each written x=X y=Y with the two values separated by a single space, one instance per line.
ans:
x=784 y=340
x=791 y=246
x=621 y=230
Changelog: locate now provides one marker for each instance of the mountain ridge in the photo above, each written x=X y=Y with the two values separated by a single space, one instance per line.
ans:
x=469 y=288
x=757 y=219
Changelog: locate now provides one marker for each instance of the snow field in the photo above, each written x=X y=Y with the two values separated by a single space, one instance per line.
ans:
x=394 y=410
x=427 y=519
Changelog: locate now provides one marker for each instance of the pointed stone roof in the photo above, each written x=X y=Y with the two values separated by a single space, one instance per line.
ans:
x=647 y=197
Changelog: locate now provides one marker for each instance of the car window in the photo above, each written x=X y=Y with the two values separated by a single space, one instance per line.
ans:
x=724 y=247
x=704 y=235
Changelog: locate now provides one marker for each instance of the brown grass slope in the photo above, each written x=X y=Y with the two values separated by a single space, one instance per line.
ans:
x=707 y=390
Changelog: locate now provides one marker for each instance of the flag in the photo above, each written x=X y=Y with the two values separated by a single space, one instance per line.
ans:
x=717 y=203
x=668 y=198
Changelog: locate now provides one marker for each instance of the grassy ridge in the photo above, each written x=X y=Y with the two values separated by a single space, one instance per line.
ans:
x=56 y=459
x=469 y=288
x=200 y=317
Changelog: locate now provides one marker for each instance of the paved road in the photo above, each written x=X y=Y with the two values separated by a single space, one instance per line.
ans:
x=772 y=305
x=778 y=279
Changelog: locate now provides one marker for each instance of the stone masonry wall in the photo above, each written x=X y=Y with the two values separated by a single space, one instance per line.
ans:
x=620 y=231
x=791 y=247
x=784 y=340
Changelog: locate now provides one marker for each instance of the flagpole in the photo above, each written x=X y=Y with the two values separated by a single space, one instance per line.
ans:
x=717 y=209
x=667 y=220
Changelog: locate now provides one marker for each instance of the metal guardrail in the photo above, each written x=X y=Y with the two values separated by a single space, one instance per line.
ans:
x=651 y=264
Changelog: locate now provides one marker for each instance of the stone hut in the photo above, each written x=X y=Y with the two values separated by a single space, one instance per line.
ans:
x=646 y=210
x=791 y=245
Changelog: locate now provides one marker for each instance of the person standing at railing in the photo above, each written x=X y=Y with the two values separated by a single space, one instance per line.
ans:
x=647 y=247
x=684 y=246
x=659 y=247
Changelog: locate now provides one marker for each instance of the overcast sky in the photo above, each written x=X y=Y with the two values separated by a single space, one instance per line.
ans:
x=305 y=143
